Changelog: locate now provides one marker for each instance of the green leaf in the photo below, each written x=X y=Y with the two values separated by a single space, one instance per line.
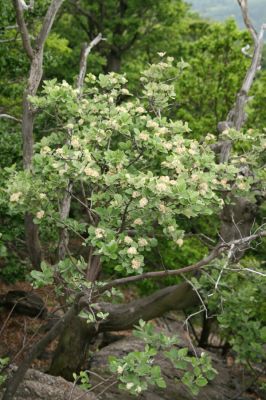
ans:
x=201 y=381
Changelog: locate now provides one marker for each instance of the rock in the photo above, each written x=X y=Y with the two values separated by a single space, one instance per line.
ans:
x=223 y=387
x=40 y=386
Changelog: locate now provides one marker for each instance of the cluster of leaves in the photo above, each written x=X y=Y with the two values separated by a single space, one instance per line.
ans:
x=136 y=169
x=241 y=316
x=3 y=364
x=137 y=370
x=83 y=380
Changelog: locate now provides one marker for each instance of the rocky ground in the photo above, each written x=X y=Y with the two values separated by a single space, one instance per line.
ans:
x=18 y=332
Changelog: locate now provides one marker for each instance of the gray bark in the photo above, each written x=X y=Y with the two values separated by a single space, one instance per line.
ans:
x=77 y=336
x=238 y=217
x=66 y=202
x=35 y=54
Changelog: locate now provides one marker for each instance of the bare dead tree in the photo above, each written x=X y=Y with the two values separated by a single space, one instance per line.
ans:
x=34 y=50
x=237 y=117
x=66 y=202
x=11 y=117
x=237 y=218
x=84 y=58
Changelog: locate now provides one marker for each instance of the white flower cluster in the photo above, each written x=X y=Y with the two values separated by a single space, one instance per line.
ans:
x=40 y=214
x=14 y=198
x=135 y=264
x=91 y=172
x=99 y=233
x=143 y=202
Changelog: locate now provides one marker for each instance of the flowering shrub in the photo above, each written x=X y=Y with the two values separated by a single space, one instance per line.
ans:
x=131 y=174
x=132 y=170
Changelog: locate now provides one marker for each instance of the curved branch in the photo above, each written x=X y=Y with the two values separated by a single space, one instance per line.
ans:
x=219 y=249
x=244 y=9
x=23 y=28
x=83 y=59
x=7 y=116
x=236 y=117
x=48 y=23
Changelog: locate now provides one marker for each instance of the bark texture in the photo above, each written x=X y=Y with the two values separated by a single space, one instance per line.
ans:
x=77 y=336
x=35 y=54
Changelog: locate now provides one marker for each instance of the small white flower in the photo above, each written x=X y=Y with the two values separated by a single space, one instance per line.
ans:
x=132 y=250
x=99 y=233
x=75 y=142
x=40 y=214
x=171 y=228
x=223 y=182
x=162 y=208
x=162 y=130
x=81 y=121
x=120 y=369
x=143 y=202
x=194 y=177
x=152 y=124
x=241 y=186
x=15 y=197
x=209 y=137
x=69 y=126
x=135 y=194
x=192 y=152
x=91 y=172
x=179 y=149
x=140 y=110
x=142 y=242
x=125 y=91
x=161 y=54
x=138 y=389
x=128 y=240
x=143 y=136
x=129 y=385
x=46 y=150
x=121 y=109
x=59 y=151
x=168 y=146
x=138 y=221
x=42 y=196
x=180 y=242
x=136 y=264
x=65 y=84
x=161 y=187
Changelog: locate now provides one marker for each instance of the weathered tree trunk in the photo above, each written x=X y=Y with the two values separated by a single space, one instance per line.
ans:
x=72 y=349
x=35 y=54
x=73 y=344
x=31 y=230
x=238 y=216
x=113 y=62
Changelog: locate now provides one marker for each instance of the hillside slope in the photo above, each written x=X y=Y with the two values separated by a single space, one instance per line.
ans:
x=220 y=10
